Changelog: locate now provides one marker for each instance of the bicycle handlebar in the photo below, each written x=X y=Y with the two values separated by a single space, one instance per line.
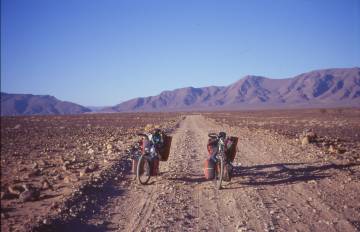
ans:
x=213 y=135
x=217 y=136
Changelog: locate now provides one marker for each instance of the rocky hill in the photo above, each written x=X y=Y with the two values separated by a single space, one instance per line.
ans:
x=28 y=104
x=320 y=88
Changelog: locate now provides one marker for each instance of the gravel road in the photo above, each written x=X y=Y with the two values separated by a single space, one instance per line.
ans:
x=278 y=186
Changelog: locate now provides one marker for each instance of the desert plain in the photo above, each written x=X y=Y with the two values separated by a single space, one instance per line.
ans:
x=295 y=170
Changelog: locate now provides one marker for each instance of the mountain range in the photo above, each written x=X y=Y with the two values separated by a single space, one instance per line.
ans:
x=28 y=104
x=320 y=88
x=337 y=87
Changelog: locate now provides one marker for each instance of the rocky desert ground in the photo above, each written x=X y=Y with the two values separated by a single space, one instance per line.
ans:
x=62 y=160
x=295 y=170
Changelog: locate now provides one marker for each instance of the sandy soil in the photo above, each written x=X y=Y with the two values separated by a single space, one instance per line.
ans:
x=278 y=185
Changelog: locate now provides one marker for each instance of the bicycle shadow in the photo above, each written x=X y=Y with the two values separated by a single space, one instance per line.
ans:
x=89 y=201
x=76 y=226
x=284 y=173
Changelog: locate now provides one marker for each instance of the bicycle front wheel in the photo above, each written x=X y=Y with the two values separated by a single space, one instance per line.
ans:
x=143 y=170
x=219 y=172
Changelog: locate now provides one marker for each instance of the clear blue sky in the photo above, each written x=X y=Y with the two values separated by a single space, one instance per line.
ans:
x=102 y=52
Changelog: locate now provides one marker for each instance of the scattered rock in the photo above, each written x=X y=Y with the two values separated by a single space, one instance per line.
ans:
x=312 y=182
x=241 y=227
x=16 y=189
x=332 y=149
x=57 y=177
x=62 y=161
x=46 y=221
x=34 y=166
x=93 y=167
x=29 y=195
x=65 y=167
x=307 y=137
x=305 y=141
x=312 y=136
x=149 y=127
x=7 y=195
x=67 y=163
x=17 y=126
x=35 y=172
x=42 y=162
x=20 y=162
x=109 y=146
x=58 y=148
x=45 y=184
x=67 y=179
x=54 y=205
x=83 y=172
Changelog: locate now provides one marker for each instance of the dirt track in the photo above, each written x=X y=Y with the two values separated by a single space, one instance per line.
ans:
x=278 y=186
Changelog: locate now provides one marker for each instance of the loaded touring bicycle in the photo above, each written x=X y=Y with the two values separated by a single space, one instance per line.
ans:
x=222 y=151
x=148 y=153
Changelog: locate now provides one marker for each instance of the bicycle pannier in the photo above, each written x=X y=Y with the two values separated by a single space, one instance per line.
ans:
x=134 y=165
x=231 y=146
x=227 y=172
x=165 y=150
x=209 y=169
x=135 y=161
x=154 y=166
x=211 y=145
x=145 y=145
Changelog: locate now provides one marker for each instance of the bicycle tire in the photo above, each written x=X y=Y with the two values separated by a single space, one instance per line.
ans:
x=219 y=174
x=143 y=170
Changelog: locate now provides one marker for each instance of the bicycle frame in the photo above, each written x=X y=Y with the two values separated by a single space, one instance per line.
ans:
x=221 y=145
x=220 y=162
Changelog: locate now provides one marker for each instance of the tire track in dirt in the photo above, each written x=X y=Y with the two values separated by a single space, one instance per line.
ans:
x=273 y=189
x=289 y=182
x=130 y=211
x=179 y=199
x=308 y=210
x=180 y=206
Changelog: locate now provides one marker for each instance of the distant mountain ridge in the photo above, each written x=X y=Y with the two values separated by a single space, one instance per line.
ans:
x=338 y=87
x=319 y=88
x=28 y=104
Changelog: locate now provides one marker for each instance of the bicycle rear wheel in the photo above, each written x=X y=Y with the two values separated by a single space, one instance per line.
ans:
x=219 y=172
x=143 y=170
